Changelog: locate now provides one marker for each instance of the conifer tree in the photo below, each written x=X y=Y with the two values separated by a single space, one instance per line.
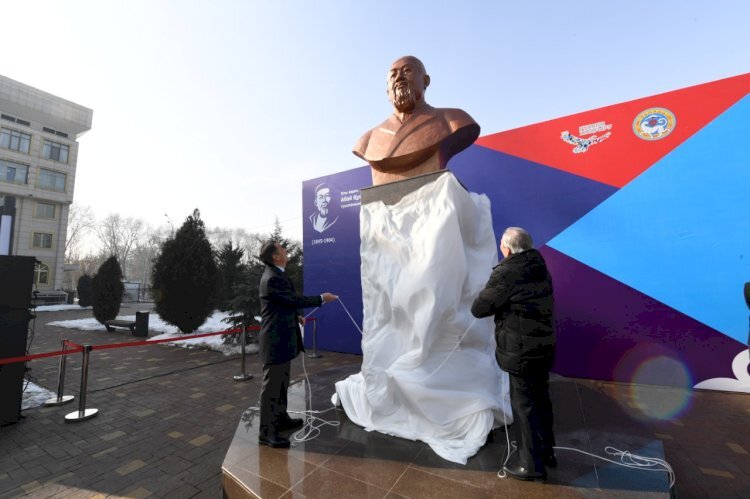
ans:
x=294 y=252
x=245 y=303
x=230 y=272
x=184 y=277
x=85 y=290
x=107 y=290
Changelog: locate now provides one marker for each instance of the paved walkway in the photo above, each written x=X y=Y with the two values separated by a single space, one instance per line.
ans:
x=166 y=418
x=168 y=414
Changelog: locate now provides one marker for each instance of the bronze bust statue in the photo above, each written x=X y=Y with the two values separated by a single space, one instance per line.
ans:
x=417 y=138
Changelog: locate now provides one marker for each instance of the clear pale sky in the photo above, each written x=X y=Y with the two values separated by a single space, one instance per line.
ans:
x=228 y=106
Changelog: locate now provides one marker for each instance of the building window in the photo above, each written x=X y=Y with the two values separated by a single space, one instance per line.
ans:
x=12 y=172
x=55 y=151
x=52 y=181
x=41 y=273
x=42 y=240
x=45 y=210
x=15 y=140
x=55 y=132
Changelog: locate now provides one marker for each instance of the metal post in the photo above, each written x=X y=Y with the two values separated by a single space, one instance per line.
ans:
x=82 y=413
x=242 y=376
x=315 y=354
x=60 y=399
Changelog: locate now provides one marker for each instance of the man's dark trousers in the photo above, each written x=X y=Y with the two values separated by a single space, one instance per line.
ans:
x=532 y=419
x=273 y=401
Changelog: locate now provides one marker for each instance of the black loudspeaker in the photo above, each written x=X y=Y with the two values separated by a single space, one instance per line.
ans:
x=747 y=294
x=16 y=281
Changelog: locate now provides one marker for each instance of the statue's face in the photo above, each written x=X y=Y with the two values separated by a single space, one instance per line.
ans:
x=406 y=83
x=322 y=198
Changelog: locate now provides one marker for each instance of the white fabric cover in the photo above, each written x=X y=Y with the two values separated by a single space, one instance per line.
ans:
x=428 y=368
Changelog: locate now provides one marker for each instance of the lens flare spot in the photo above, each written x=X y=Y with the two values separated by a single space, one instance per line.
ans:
x=661 y=402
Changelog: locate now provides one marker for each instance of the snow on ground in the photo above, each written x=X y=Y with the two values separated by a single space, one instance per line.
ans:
x=34 y=396
x=156 y=324
x=58 y=308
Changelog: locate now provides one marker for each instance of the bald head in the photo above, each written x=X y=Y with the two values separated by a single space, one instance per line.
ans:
x=406 y=83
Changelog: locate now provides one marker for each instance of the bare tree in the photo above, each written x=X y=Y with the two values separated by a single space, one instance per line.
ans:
x=119 y=235
x=89 y=263
x=80 y=222
x=250 y=242
x=145 y=251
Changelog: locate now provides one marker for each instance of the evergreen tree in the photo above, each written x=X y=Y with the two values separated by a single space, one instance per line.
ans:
x=85 y=290
x=107 y=290
x=245 y=303
x=294 y=252
x=184 y=277
x=230 y=269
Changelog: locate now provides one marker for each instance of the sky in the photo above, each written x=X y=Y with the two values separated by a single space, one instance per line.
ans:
x=228 y=106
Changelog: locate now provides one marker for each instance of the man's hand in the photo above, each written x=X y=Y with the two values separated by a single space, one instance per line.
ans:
x=329 y=297
x=301 y=320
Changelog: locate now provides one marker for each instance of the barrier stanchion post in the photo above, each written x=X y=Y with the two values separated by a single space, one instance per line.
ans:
x=243 y=376
x=315 y=354
x=60 y=399
x=82 y=413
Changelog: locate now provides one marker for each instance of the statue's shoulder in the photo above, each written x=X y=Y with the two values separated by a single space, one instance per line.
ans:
x=456 y=118
x=376 y=140
x=360 y=147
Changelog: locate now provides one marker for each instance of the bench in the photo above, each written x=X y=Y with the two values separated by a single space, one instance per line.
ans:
x=139 y=327
x=50 y=298
x=111 y=325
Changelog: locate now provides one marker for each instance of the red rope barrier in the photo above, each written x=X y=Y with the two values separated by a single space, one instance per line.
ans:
x=78 y=348
x=13 y=360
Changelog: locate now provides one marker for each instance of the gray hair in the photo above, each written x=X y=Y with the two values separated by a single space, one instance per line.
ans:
x=516 y=240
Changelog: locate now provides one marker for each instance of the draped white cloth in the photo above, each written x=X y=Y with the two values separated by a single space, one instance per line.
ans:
x=428 y=368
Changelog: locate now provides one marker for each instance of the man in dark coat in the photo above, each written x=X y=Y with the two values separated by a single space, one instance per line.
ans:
x=280 y=342
x=519 y=295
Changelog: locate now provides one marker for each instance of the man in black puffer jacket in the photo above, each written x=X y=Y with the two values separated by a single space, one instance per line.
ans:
x=519 y=295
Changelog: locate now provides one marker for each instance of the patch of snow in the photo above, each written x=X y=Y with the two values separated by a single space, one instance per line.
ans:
x=34 y=396
x=58 y=308
x=156 y=324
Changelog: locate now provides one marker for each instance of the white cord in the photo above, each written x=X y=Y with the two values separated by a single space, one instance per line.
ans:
x=627 y=458
x=350 y=316
x=630 y=460
x=501 y=473
x=310 y=430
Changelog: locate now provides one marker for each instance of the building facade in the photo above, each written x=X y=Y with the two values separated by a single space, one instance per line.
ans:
x=38 y=153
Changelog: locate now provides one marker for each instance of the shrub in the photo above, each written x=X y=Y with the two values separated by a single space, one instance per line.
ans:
x=107 y=290
x=85 y=290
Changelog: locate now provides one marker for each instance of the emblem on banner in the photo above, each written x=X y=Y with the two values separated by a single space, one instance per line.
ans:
x=654 y=123
x=582 y=144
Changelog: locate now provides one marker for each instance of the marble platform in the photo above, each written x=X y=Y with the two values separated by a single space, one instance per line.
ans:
x=347 y=462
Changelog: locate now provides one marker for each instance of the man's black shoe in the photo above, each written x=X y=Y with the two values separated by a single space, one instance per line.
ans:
x=520 y=473
x=550 y=461
x=290 y=424
x=274 y=441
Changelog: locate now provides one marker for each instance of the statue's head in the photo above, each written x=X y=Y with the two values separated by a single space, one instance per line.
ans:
x=406 y=83
x=322 y=199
